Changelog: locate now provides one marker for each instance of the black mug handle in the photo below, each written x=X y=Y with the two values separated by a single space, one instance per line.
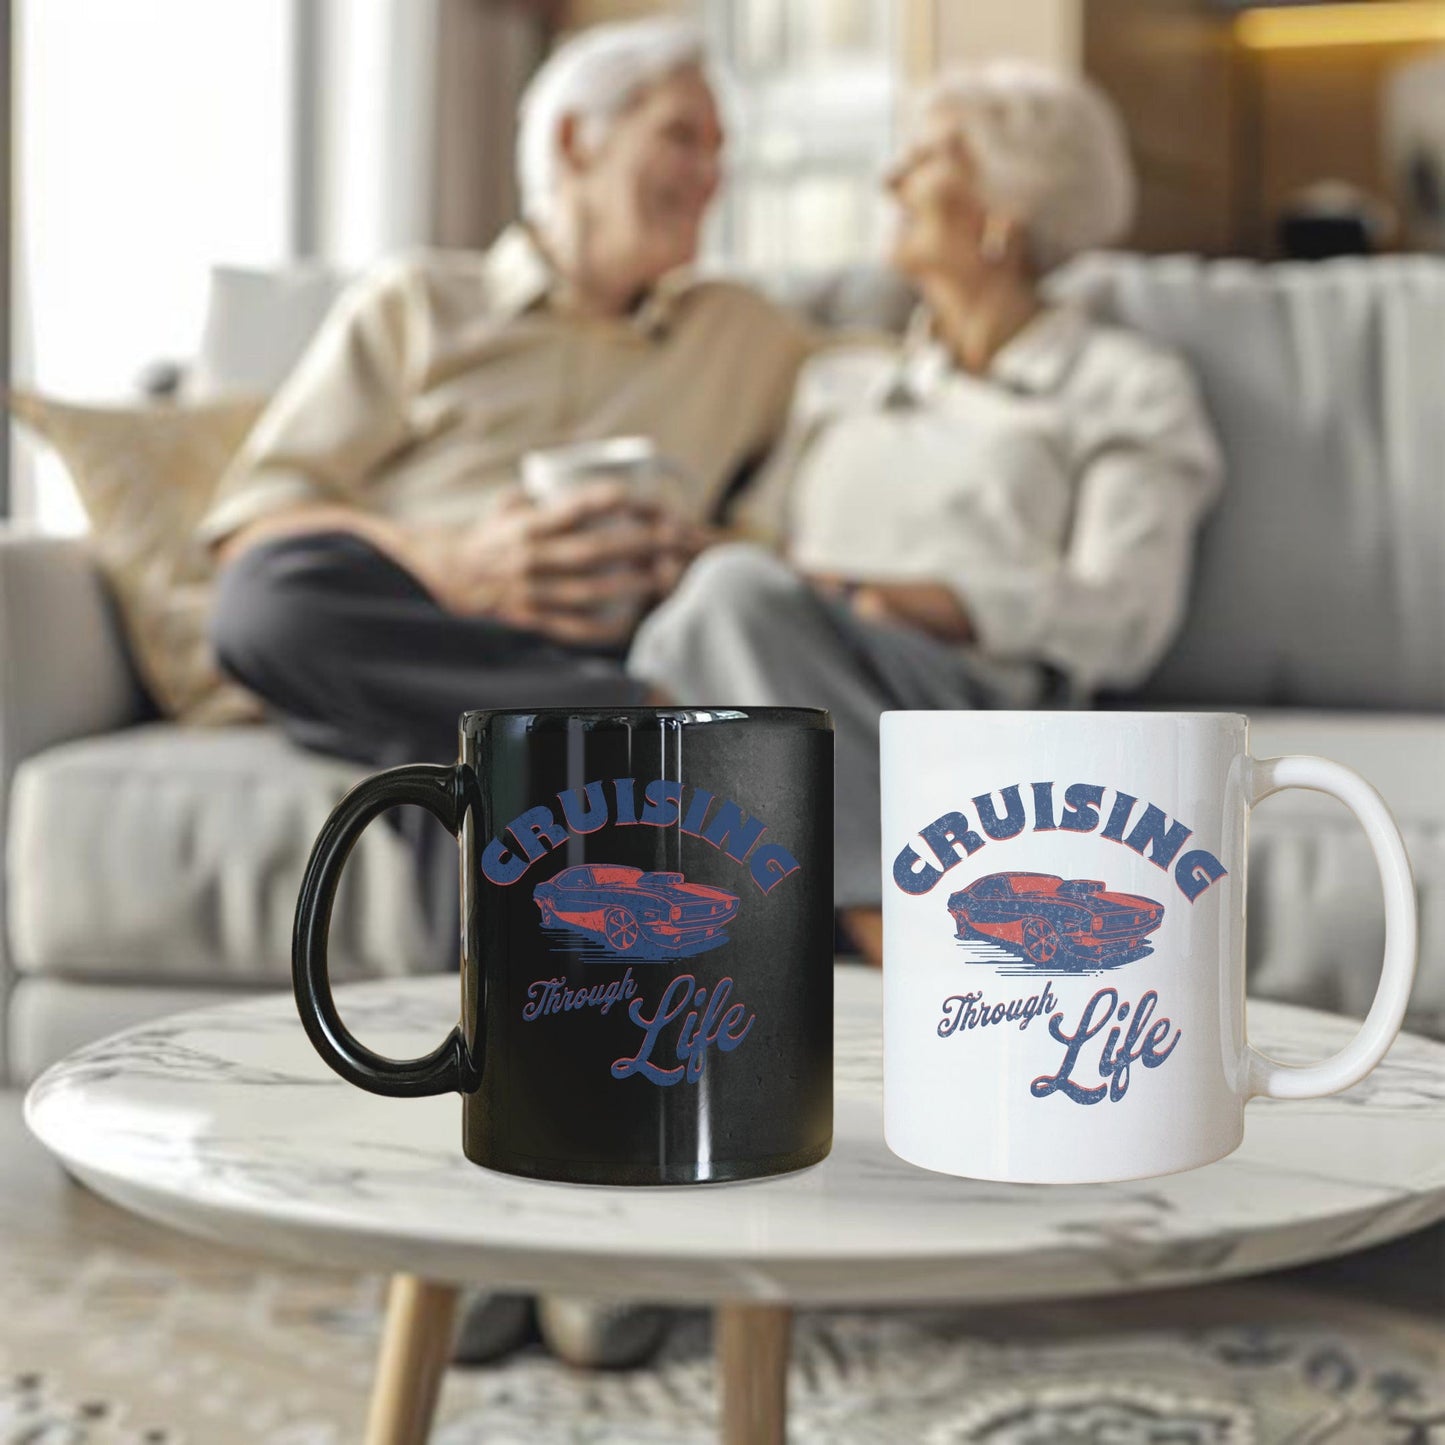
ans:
x=448 y=1068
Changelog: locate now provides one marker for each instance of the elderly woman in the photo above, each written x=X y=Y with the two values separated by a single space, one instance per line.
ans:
x=997 y=513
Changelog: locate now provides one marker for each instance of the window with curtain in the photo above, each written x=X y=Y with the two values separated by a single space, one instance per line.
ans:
x=153 y=141
x=814 y=97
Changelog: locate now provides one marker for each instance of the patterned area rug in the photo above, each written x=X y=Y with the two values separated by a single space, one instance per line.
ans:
x=1129 y=1373
x=113 y=1332
x=105 y=1349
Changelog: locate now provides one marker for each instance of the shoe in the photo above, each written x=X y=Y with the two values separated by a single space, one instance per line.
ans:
x=492 y=1325
x=601 y=1334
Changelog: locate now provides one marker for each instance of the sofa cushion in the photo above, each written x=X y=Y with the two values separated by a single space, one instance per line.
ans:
x=146 y=475
x=258 y=322
x=172 y=855
x=1321 y=575
x=1401 y=754
x=866 y=298
x=163 y=853
x=1316 y=920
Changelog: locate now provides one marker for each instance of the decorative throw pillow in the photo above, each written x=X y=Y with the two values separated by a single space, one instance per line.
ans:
x=145 y=476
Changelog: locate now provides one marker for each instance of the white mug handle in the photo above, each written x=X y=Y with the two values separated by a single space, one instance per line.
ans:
x=1382 y=1023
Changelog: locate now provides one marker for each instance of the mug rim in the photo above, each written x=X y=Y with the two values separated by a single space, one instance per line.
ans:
x=812 y=716
x=1071 y=715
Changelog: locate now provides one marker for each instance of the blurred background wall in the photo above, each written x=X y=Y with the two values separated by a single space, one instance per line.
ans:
x=154 y=139
x=1233 y=109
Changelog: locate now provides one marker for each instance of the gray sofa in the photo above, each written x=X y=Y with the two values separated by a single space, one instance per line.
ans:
x=148 y=866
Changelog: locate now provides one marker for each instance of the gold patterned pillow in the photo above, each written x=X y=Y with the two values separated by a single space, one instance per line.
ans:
x=146 y=476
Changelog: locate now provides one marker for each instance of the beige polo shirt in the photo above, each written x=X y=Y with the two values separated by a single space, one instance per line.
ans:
x=437 y=371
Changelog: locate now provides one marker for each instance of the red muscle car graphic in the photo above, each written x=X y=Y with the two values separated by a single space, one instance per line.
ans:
x=633 y=912
x=1055 y=922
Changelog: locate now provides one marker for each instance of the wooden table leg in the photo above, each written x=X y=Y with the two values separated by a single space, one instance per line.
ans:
x=416 y=1343
x=752 y=1344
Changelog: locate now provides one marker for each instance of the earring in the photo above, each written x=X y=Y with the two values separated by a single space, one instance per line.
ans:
x=993 y=245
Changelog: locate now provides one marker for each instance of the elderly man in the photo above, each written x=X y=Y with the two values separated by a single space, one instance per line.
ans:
x=382 y=571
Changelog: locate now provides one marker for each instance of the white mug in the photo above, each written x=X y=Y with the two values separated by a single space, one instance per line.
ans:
x=552 y=474
x=1063 y=941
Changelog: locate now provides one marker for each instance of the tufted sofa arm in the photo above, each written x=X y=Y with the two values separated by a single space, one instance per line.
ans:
x=65 y=669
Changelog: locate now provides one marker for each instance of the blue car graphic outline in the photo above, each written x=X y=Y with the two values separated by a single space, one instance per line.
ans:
x=1057 y=923
x=636 y=914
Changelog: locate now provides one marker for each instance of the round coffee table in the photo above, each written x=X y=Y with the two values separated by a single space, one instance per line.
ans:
x=224 y=1123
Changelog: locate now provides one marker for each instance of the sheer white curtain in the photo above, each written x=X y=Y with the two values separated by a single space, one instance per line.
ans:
x=814 y=94
x=375 y=132
x=152 y=141
x=159 y=138
x=415 y=116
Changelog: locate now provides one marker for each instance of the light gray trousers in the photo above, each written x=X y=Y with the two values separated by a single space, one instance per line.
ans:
x=744 y=630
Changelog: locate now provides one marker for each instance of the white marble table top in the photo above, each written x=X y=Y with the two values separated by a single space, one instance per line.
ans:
x=224 y=1122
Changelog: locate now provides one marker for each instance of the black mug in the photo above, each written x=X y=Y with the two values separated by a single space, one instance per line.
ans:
x=646 y=941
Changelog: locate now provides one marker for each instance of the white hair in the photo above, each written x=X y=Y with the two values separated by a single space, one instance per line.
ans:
x=1050 y=150
x=594 y=76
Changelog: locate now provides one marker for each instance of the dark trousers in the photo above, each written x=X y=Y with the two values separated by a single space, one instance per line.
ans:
x=354 y=658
